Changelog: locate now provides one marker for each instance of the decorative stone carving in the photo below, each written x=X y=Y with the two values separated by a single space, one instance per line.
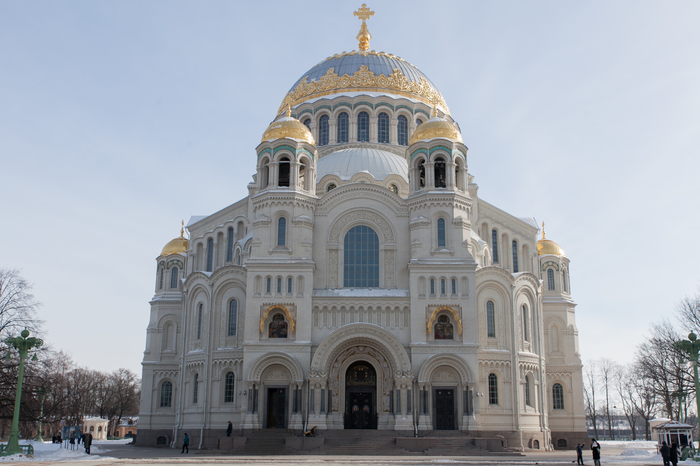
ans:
x=377 y=219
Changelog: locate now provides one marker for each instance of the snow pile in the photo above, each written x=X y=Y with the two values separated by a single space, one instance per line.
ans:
x=53 y=452
x=638 y=453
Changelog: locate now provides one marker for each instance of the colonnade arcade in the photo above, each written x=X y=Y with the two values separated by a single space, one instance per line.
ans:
x=360 y=378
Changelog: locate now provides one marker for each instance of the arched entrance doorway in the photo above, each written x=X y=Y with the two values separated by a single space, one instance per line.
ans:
x=361 y=396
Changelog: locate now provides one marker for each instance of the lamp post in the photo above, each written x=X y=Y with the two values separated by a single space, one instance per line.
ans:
x=692 y=346
x=42 y=396
x=23 y=345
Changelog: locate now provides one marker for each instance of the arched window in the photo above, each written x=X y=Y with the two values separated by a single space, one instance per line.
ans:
x=454 y=286
x=343 y=128
x=443 y=328
x=550 y=280
x=561 y=443
x=557 y=396
x=210 y=254
x=421 y=174
x=289 y=285
x=173 y=277
x=494 y=245
x=515 y=256
x=383 y=128
x=279 y=285
x=281 y=231
x=432 y=286
x=330 y=187
x=200 y=316
x=307 y=123
x=527 y=391
x=526 y=323
x=493 y=389
x=440 y=175
x=443 y=291
x=394 y=188
x=278 y=327
x=229 y=245
x=195 y=389
x=565 y=279
x=363 y=127
x=302 y=175
x=441 y=232
x=268 y=288
x=361 y=258
x=166 y=394
x=265 y=172
x=232 y=317
x=229 y=388
x=402 y=129
x=238 y=257
x=284 y=168
x=491 y=319
x=418 y=122
x=160 y=278
x=323 y=130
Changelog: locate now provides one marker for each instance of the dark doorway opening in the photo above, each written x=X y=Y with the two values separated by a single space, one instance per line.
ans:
x=360 y=396
x=445 y=409
x=276 y=408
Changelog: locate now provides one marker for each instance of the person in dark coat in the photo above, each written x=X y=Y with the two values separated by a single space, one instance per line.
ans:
x=186 y=444
x=579 y=452
x=673 y=456
x=665 y=453
x=595 y=449
x=229 y=429
x=87 y=442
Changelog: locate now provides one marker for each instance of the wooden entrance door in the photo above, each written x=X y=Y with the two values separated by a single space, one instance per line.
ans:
x=276 y=408
x=444 y=409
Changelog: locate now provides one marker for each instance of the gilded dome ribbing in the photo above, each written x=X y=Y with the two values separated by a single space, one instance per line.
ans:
x=436 y=127
x=288 y=127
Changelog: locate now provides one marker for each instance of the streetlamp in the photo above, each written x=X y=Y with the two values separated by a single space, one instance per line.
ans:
x=42 y=396
x=23 y=345
x=692 y=346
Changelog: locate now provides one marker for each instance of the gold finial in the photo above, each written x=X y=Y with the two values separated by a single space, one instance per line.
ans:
x=542 y=230
x=435 y=114
x=289 y=110
x=364 y=36
x=182 y=230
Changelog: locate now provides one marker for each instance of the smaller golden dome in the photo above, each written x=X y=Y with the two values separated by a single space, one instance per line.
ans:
x=288 y=127
x=547 y=246
x=436 y=127
x=177 y=245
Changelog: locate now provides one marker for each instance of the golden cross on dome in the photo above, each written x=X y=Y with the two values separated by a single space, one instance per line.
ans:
x=182 y=230
x=364 y=36
x=542 y=230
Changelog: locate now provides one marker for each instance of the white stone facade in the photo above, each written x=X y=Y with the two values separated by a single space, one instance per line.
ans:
x=416 y=347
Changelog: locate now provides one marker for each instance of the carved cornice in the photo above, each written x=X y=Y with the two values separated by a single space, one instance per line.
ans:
x=361 y=191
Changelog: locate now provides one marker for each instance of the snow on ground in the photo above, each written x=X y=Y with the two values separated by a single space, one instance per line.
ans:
x=54 y=452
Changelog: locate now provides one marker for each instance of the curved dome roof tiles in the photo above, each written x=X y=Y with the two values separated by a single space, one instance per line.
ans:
x=347 y=162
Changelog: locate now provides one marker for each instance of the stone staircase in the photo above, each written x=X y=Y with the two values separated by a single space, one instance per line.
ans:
x=265 y=442
x=359 y=442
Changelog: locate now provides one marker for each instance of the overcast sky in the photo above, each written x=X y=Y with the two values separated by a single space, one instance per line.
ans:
x=119 y=119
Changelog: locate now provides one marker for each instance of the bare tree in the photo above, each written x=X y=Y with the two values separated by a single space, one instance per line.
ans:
x=688 y=312
x=17 y=304
x=590 y=374
x=608 y=370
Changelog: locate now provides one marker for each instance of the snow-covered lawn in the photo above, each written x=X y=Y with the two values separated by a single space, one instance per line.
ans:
x=54 y=452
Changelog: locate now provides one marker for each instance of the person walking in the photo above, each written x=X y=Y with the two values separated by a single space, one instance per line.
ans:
x=229 y=429
x=665 y=453
x=186 y=444
x=673 y=456
x=579 y=453
x=595 y=449
x=87 y=442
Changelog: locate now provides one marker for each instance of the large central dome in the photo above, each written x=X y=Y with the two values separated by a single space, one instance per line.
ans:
x=364 y=72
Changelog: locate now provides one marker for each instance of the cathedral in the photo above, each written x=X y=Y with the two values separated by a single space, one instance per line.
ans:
x=363 y=284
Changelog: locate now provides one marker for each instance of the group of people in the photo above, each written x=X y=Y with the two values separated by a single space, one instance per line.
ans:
x=670 y=454
x=595 y=450
x=74 y=440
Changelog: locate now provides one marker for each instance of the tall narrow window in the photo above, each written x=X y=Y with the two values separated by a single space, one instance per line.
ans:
x=526 y=323
x=493 y=389
x=491 y=319
x=383 y=128
x=229 y=245
x=363 y=127
x=527 y=391
x=160 y=278
x=565 y=279
x=402 y=129
x=307 y=123
x=268 y=288
x=343 y=128
x=302 y=176
x=210 y=254
x=173 y=277
x=166 y=394
x=557 y=396
x=289 y=285
x=361 y=269
x=279 y=285
x=283 y=172
x=195 y=389
x=229 y=388
x=418 y=122
x=200 y=315
x=323 y=130
x=440 y=175
x=442 y=287
x=494 y=245
x=232 y=317
x=515 y=256
x=432 y=286
x=281 y=231
x=421 y=175
x=441 y=232
x=454 y=286
x=550 y=280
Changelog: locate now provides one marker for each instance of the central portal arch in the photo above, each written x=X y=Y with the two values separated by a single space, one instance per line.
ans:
x=361 y=396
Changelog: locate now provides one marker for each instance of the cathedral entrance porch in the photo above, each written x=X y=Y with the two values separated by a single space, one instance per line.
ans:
x=276 y=408
x=445 y=409
x=360 y=389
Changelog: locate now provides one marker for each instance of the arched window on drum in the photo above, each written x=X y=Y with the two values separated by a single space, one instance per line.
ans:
x=323 y=130
x=444 y=330
x=383 y=128
x=363 y=127
x=278 y=326
x=343 y=128
x=402 y=130
x=361 y=254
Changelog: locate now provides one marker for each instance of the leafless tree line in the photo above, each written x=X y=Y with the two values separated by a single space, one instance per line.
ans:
x=659 y=383
x=71 y=392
